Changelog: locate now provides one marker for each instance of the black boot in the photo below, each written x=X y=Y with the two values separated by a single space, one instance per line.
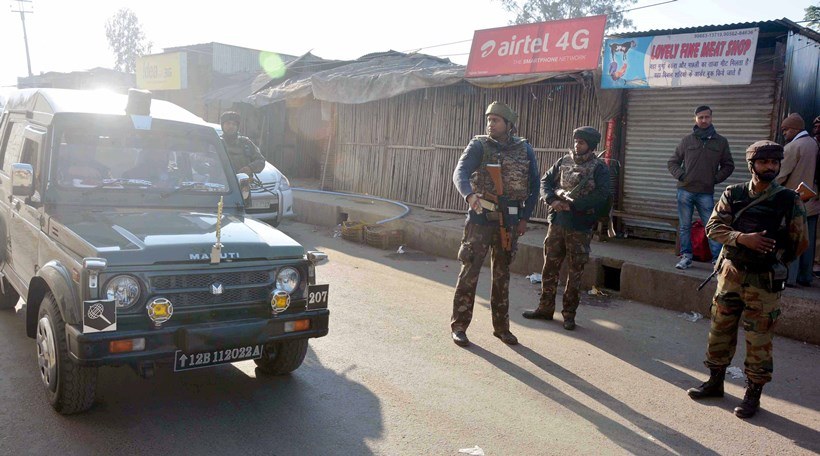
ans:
x=712 y=387
x=751 y=401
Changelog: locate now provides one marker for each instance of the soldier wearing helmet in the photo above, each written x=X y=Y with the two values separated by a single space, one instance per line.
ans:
x=519 y=175
x=576 y=188
x=762 y=226
x=242 y=152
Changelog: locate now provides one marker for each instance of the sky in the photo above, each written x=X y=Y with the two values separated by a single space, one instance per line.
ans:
x=70 y=35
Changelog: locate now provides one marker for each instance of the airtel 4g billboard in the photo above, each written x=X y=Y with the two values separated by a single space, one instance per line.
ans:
x=543 y=47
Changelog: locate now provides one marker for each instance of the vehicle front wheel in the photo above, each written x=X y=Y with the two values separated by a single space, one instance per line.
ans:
x=280 y=358
x=9 y=297
x=70 y=388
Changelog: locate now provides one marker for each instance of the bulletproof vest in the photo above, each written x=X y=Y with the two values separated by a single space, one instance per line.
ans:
x=515 y=168
x=572 y=174
x=769 y=215
x=239 y=151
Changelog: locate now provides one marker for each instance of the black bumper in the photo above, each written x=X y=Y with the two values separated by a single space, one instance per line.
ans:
x=161 y=344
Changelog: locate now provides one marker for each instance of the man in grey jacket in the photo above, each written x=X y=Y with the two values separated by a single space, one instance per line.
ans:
x=701 y=160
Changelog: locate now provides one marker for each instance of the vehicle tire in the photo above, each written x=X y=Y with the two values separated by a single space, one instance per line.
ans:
x=70 y=388
x=8 y=299
x=281 y=358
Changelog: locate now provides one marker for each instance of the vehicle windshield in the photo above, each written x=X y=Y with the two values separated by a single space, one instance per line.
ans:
x=142 y=160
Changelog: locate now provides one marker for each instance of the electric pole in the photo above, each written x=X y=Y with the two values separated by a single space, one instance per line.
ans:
x=25 y=7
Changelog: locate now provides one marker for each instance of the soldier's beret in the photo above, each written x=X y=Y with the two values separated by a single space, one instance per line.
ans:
x=762 y=150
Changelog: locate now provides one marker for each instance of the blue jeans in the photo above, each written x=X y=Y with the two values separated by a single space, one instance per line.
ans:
x=687 y=201
x=801 y=268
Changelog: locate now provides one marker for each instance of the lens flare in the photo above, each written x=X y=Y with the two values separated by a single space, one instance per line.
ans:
x=272 y=64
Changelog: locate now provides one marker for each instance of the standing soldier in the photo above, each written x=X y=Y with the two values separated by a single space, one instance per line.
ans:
x=242 y=152
x=576 y=189
x=482 y=231
x=762 y=226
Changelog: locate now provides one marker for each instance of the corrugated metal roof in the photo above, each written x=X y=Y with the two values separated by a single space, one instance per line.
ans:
x=777 y=25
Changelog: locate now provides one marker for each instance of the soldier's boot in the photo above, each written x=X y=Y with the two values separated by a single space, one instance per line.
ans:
x=712 y=387
x=569 y=323
x=540 y=312
x=751 y=400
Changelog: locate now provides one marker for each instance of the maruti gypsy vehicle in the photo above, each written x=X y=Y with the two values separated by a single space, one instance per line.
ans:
x=124 y=232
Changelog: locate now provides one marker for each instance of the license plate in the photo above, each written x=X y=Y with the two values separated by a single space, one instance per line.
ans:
x=187 y=361
x=317 y=297
x=261 y=204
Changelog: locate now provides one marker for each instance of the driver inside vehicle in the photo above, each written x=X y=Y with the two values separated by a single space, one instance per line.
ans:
x=77 y=163
x=151 y=165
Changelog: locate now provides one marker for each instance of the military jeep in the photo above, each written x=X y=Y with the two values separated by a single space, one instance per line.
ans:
x=124 y=233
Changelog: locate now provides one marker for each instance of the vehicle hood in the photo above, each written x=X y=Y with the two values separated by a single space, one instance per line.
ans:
x=169 y=237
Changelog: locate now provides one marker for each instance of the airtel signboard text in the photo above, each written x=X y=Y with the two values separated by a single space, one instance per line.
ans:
x=567 y=45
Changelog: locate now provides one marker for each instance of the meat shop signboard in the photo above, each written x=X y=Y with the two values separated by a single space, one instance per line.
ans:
x=566 y=45
x=723 y=57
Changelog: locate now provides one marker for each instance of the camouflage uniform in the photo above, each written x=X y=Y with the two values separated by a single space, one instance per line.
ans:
x=563 y=243
x=519 y=173
x=747 y=290
x=477 y=241
x=243 y=152
x=584 y=179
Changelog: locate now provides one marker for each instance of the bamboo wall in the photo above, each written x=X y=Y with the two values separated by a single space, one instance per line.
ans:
x=406 y=147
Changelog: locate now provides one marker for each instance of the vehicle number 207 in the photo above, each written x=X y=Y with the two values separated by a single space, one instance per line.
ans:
x=317 y=296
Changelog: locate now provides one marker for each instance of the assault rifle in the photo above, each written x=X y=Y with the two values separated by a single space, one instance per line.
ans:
x=502 y=205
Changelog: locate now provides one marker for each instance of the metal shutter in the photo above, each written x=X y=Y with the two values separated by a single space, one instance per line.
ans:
x=657 y=119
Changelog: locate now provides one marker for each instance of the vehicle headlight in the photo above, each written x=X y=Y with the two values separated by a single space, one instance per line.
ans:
x=124 y=290
x=287 y=279
x=284 y=184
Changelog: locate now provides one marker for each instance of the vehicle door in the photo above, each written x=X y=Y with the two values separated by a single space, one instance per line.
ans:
x=26 y=212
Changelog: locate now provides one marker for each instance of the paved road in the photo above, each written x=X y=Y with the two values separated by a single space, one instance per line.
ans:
x=387 y=380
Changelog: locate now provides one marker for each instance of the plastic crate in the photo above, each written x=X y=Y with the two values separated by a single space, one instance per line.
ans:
x=353 y=231
x=382 y=237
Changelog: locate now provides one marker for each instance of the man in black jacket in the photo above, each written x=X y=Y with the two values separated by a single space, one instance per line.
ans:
x=701 y=160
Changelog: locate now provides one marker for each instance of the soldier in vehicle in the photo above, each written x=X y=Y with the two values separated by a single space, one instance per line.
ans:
x=242 y=152
x=762 y=226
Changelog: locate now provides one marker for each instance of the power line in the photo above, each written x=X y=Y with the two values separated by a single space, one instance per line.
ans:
x=467 y=41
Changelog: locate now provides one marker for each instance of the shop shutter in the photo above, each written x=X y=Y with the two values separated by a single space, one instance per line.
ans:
x=657 y=119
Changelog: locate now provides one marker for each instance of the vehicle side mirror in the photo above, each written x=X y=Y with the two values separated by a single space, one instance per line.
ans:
x=244 y=185
x=316 y=257
x=22 y=180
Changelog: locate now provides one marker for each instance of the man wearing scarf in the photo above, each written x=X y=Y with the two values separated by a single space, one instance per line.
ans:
x=701 y=160
x=576 y=188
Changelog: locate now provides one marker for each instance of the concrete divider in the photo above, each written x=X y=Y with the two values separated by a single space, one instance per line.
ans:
x=649 y=284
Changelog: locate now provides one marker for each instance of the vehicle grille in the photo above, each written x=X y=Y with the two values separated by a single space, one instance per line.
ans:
x=192 y=290
x=162 y=283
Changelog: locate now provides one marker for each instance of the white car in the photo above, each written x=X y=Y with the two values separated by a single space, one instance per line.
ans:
x=271 y=196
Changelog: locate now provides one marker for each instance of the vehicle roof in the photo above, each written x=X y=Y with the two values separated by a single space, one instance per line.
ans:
x=56 y=101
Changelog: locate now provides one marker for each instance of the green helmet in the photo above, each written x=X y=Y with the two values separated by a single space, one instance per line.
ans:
x=502 y=110
x=229 y=116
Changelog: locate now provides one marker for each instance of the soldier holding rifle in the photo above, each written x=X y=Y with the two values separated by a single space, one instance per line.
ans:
x=497 y=175
x=577 y=190
x=762 y=227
